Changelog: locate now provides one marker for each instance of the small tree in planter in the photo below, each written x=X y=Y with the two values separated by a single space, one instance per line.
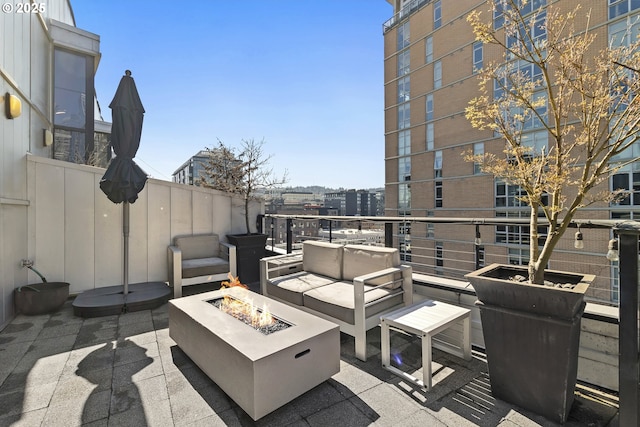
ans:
x=243 y=173
x=553 y=79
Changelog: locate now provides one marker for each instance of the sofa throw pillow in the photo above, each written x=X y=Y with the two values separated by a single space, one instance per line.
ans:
x=363 y=259
x=322 y=258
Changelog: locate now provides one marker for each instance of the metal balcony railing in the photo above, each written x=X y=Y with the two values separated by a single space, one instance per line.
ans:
x=451 y=247
x=410 y=8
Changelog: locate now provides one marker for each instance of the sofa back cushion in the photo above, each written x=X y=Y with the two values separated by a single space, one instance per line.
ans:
x=363 y=259
x=322 y=258
x=200 y=246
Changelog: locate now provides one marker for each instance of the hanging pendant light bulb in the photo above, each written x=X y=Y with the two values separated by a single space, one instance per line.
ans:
x=578 y=243
x=478 y=239
x=612 y=253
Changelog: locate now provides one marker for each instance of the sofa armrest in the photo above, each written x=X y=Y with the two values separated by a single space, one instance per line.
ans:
x=228 y=252
x=278 y=265
x=174 y=258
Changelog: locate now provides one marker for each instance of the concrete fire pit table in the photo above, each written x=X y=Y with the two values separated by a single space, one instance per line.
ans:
x=259 y=372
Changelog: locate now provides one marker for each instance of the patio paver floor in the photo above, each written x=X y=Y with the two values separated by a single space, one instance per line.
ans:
x=124 y=370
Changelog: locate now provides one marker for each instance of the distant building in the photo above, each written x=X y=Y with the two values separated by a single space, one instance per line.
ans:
x=190 y=171
x=353 y=202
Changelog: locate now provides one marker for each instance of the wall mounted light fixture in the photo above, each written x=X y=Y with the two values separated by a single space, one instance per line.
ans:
x=12 y=106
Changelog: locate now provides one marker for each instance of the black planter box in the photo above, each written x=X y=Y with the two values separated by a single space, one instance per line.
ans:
x=40 y=298
x=250 y=249
x=532 y=337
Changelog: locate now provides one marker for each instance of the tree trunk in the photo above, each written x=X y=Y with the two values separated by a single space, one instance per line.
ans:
x=246 y=215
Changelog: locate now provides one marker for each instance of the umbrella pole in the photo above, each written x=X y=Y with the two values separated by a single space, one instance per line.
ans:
x=125 y=232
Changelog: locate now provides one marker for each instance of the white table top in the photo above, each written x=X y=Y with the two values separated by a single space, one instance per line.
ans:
x=425 y=316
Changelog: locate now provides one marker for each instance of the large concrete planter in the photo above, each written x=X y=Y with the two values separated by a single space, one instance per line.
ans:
x=40 y=298
x=250 y=249
x=532 y=336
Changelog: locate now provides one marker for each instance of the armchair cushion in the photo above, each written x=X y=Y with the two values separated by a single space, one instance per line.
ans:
x=204 y=246
x=204 y=267
x=337 y=300
x=362 y=259
x=322 y=258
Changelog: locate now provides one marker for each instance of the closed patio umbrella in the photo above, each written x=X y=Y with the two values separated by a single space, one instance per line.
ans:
x=124 y=179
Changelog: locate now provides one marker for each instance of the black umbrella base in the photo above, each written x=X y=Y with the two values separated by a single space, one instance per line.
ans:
x=111 y=299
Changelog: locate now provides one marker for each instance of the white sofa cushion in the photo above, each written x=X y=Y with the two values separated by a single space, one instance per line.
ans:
x=363 y=259
x=291 y=287
x=337 y=300
x=322 y=258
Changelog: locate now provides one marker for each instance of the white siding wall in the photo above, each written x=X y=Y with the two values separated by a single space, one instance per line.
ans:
x=75 y=234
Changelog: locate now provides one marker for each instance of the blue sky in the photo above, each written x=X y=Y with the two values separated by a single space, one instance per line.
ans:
x=305 y=75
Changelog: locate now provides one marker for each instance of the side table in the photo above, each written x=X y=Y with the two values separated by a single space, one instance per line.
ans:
x=426 y=319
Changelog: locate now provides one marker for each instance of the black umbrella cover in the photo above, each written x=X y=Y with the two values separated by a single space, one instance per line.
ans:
x=124 y=179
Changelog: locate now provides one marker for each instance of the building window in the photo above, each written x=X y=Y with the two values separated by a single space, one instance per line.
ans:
x=478 y=150
x=429 y=107
x=518 y=256
x=477 y=57
x=404 y=143
x=498 y=15
x=437 y=164
x=403 y=35
x=428 y=47
x=430 y=137
x=404 y=89
x=437 y=14
x=73 y=108
x=404 y=197
x=404 y=63
x=481 y=256
x=630 y=183
x=438 y=194
x=437 y=74
x=405 y=248
x=508 y=196
x=404 y=115
x=620 y=7
x=430 y=226
x=535 y=31
x=502 y=5
x=439 y=257
x=404 y=169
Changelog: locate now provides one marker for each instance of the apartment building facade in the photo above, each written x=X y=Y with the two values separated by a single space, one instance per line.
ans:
x=431 y=63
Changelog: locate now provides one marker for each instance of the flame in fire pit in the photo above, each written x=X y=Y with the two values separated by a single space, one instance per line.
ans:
x=244 y=309
x=247 y=311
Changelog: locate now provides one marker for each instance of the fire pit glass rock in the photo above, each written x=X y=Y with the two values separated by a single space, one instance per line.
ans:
x=259 y=319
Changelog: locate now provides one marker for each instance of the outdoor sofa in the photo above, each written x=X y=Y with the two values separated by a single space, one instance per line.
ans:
x=351 y=285
x=199 y=259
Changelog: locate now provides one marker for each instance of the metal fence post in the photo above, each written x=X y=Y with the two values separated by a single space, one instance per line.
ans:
x=628 y=328
x=289 y=235
x=388 y=234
